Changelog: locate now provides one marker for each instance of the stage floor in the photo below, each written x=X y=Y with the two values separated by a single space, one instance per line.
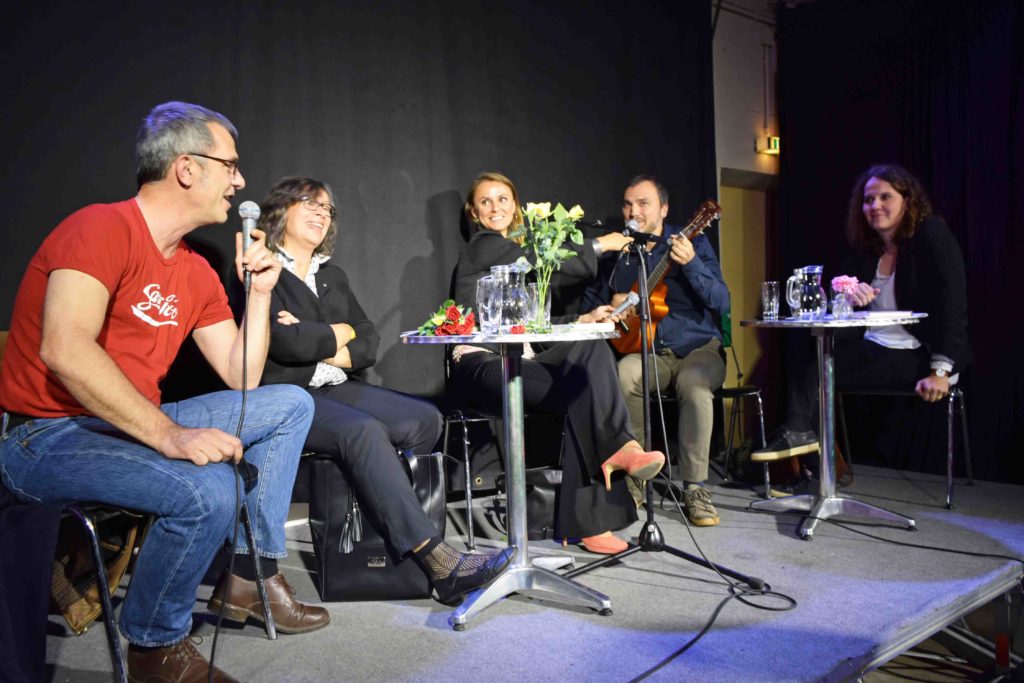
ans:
x=863 y=593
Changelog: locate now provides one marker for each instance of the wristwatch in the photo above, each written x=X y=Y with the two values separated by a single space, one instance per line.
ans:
x=939 y=372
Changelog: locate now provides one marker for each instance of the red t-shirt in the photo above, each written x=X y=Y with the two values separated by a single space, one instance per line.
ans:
x=154 y=304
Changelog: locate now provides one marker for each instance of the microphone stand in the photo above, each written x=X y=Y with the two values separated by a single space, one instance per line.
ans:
x=651 y=538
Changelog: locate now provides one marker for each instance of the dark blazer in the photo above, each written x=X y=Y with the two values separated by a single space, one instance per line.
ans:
x=930 y=278
x=296 y=349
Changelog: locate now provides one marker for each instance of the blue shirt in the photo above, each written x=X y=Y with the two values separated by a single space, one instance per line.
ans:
x=697 y=296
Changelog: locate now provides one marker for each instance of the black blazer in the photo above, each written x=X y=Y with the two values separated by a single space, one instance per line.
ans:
x=930 y=278
x=296 y=349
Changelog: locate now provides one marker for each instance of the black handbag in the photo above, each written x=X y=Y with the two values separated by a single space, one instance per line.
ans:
x=353 y=562
x=542 y=487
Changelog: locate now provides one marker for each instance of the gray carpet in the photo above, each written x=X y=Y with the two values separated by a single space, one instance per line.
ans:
x=861 y=598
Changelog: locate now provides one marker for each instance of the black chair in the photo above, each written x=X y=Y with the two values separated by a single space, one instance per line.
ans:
x=89 y=515
x=955 y=400
x=464 y=416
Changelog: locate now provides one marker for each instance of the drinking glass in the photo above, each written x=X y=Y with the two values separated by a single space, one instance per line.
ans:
x=486 y=303
x=510 y=297
x=842 y=307
x=770 y=300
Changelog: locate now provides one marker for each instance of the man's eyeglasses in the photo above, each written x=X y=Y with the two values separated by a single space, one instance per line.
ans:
x=313 y=205
x=232 y=164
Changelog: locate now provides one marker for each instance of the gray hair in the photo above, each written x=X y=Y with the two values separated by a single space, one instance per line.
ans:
x=170 y=130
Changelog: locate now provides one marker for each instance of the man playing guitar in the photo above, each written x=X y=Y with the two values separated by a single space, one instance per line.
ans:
x=686 y=307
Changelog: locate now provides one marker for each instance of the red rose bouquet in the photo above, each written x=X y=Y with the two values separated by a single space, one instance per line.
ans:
x=450 y=319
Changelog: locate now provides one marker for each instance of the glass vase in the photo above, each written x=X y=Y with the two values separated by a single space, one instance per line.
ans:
x=539 y=312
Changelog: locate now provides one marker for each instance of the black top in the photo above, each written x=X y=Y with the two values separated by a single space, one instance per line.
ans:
x=296 y=349
x=487 y=248
x=930 y=279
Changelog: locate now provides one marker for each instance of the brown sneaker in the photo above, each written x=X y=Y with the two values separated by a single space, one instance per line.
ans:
x=178 y=663
x=699 y=510
x=243 y=602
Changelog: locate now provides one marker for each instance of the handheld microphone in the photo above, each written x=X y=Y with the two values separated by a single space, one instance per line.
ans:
x=250 y=213
x=631 y=300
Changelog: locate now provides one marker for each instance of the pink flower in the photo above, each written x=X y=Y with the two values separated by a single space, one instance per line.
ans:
x=844 y=284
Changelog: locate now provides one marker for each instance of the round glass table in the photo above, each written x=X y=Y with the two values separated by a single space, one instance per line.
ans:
x=827 y=503
x=521 y=574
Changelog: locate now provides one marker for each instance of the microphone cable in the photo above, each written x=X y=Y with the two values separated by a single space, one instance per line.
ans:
x=737 y=591
x=239 y=482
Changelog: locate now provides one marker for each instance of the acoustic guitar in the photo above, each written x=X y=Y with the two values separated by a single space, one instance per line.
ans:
x=630 y=342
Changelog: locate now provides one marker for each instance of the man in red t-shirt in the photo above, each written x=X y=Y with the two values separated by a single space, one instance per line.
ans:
x=100 y=315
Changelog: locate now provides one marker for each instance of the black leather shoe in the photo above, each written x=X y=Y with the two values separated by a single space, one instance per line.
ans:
x=450 y=590
x=802 y=485
x=785 y=444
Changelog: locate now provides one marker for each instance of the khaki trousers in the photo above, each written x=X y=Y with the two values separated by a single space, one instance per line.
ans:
x=694 y=380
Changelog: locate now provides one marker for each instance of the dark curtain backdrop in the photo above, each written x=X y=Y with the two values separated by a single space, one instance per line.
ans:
x=938 y=87
x=398 y=104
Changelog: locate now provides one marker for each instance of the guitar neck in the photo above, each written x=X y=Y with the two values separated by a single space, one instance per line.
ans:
x=658 y=274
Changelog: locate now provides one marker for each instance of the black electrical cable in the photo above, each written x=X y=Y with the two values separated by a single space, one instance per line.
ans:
x=737 y=591
x=238 y=476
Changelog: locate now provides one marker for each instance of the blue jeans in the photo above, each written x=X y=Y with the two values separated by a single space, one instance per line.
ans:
x=86 y=459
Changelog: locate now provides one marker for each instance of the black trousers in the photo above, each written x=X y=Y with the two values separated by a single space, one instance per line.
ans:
x=579 y=379
x=858 y=364
x=361 y=426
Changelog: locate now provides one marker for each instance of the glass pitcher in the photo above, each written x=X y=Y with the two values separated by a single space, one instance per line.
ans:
x=804 y=294
x=511 y=303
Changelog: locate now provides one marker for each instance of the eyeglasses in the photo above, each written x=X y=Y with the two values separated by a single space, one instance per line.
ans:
x=232 y=164
x=314 y=205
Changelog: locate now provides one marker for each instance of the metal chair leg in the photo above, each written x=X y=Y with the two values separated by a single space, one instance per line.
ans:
x=471 y=545
x=960 y=396
x=950 y=407
x=250 y=538
x=842 y=427
x=760 y=419
x=729 y=439
x=764 y=443
x=102 y=584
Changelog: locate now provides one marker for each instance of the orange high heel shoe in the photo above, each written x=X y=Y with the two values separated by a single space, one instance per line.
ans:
x=637 y=463
x=604 y=544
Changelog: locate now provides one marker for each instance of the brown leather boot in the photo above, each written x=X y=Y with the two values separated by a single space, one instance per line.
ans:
x=243 y=602
x=178 y=663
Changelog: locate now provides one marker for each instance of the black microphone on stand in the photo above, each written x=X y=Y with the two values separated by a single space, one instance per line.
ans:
x=250 y=213
x=632 y=229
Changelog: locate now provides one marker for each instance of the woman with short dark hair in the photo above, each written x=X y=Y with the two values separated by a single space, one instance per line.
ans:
x=319 y=335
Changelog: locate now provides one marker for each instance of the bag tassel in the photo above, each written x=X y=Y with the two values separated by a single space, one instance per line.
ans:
x=352 y=531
